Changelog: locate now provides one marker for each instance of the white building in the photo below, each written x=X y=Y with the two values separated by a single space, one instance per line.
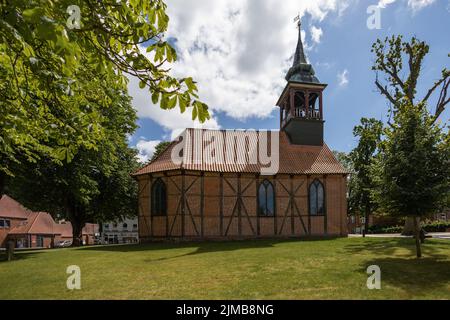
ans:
x=124 y=231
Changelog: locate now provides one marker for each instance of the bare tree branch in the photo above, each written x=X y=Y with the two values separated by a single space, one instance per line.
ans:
x=385 y=92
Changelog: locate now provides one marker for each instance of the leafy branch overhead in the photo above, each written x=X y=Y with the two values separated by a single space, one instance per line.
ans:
x=54 y=78
x=391 y=56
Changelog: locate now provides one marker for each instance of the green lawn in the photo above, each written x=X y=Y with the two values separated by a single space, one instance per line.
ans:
x=264 y=269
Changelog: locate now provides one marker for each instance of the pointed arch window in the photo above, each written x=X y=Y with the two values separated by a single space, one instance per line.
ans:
x=316 y=198
x=266 y=199
x=159 y=198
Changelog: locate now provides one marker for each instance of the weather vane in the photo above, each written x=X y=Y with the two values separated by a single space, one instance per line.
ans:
x=297 y=19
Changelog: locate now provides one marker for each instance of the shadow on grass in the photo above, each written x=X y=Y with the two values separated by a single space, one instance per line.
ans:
x=405 y=271
x=431 y=248
x=17 y=256
x=201 y=246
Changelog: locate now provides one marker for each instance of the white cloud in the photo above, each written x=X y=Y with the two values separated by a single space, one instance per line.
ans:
x=414 y=5
x=417 y=5
x=343 y=78
x=146 y=149
x=237 y=50
x=316 y=34
x=383 y=3
x=172 y=121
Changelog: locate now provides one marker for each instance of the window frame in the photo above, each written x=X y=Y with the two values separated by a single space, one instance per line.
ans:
x=315 y=183
x=266 y=183
x=158 y=182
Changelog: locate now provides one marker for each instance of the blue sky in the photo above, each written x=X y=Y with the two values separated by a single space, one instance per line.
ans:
x=239 y=52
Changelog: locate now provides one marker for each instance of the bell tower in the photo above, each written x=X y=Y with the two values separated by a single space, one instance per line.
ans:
x=301 y=103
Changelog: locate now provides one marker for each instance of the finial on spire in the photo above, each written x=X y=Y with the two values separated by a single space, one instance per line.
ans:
x=301 y=70
x=298 y=20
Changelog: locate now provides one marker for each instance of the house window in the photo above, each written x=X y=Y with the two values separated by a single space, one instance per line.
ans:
x=316 y=198
x=135 y=226
x=159 y=198
x=106 y=226
x=7 y=224
x=2 y=223
x=125 y=226
x=266 y=199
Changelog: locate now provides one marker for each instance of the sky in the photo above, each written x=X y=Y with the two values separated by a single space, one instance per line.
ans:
x=239 y=51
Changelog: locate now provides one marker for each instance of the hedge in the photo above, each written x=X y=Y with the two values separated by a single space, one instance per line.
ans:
x=435 y=226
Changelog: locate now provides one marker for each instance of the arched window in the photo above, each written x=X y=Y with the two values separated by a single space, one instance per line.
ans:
x=266 y=199
x=159 y=198
x=316 y=198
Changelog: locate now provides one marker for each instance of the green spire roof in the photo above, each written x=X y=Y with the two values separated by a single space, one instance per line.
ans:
x=301 y=71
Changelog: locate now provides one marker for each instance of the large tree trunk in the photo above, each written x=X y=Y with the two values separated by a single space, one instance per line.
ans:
x=77 y=234
x=77 y=224
x=2 y=183
x=417 y=237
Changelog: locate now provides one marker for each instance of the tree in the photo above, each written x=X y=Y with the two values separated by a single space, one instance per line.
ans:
x=362 y=159
x=392 y=54
x=96 y=184
x=52 y=68
x=344 y=160
x=414 y=168
x=159 y=149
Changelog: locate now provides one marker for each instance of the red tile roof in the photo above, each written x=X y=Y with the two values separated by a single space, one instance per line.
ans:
x=37 y=223
x=10 y=208
x=64 y=229
x=293 y=159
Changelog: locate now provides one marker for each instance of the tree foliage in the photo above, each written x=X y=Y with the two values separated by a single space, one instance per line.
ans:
x=96 y=185
x=362 y=158
x=413 y=167
x=160 y=147
x=52 y=90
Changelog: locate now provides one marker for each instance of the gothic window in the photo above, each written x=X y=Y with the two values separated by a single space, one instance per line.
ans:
x=266 y=199
x=159 y=198
x=316 y=198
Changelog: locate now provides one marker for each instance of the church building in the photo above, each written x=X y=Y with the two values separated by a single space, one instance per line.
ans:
x=216 y=184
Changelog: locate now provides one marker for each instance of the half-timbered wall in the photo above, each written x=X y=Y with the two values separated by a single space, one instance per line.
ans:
x=212 y=205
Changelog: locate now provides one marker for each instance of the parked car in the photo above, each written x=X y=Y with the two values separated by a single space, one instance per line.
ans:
x=63 y=244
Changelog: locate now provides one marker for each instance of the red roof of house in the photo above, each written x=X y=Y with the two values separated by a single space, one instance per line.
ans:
x=37 y=223
x=293 y=159
x=64 y=229
x=10 y=208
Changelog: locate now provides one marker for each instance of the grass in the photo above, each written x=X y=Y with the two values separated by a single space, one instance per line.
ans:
x=263 y=269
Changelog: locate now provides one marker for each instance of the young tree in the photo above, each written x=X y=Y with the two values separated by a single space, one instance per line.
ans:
x=400 y=86
x=414 y=168
x=362 y=158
